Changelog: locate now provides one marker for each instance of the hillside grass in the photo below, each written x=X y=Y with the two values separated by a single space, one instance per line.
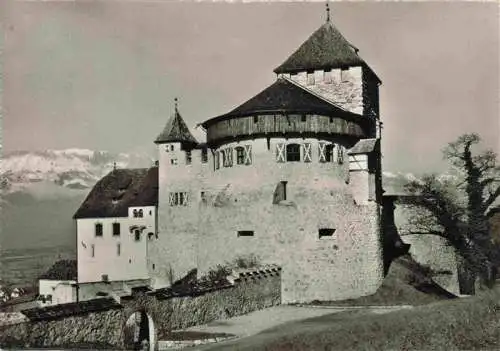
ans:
x=461 y=324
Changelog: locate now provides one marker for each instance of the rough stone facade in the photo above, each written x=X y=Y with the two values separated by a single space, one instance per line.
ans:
x=204 y=233
x=105 y=329
x=427 y=248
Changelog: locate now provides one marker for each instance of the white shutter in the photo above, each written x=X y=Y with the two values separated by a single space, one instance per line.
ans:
x=307 y=152
x=321 y=151
x=248 y=154
x=340 y=154
x=186 y=199
x=229 y=157
x=280 y=152
x=171 y=199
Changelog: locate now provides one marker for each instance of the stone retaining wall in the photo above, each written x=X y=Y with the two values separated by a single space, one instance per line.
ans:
x=247 y=292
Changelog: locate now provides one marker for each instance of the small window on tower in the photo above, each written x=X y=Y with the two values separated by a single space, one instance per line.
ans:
x=135 y=213
x=137 y=235
x=204 y=155
x=171 y=148
x=245 y=233
x=98 y=229
x=240 y=155
x=173 y=161
x=116 y=229
x=326 y=233
x=141 y=213
x=188 y=157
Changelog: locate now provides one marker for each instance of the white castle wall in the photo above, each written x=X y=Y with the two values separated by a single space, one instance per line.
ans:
x=202 y=235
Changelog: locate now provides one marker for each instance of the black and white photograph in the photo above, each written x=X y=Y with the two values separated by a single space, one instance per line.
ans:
x=249 y=175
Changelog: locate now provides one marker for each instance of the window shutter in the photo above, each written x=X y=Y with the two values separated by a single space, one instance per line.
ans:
x=307 y=152
x=321 y=152
x=280 y=152
x=186 y=199
x=340 y=154
x=171 y=199
x=229 y=157
x=248 y=154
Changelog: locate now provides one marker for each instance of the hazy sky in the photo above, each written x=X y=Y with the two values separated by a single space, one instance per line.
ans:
x=103 y=75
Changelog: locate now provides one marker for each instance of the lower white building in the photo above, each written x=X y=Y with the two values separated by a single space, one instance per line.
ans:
x=58 y=284
x=115 y=224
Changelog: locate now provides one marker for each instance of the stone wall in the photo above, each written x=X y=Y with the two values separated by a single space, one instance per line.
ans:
x=105 y=329
x=204 y=233
x=427 y=248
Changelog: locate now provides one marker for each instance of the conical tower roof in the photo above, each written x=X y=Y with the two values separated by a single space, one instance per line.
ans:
x=325 y=49
x=176 y=130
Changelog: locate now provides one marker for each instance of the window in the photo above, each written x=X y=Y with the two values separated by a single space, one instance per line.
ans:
x=310 y=78
x=245 y=233
x=202 y=196
x=189 y=158
x=171 y=148
x=153 y=266
x=150 y=236
x=150 y=213
x=173 y=161
x=137 y=235
x=98 y=229
x=217 y=160
x=340 y=155
x=325 y=232
x=118 y=249
x=329 y=152
x=178 y=199
x=116 y=228
x=240 y=155
x=303 y=118
x=293 y=153
x=255 y=119
x=280 y=192
x=92 y=250
x=327 y=76
x=141 y=214
x=105 y=278
x=135 y=213
x=204 y=155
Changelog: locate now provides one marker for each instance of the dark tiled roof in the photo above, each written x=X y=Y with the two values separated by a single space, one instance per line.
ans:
x=70 y=309
x=326 y=48
x=61 y=270
x=119 y=190
x=176 y=130
x=285 y=96
x=364 y=146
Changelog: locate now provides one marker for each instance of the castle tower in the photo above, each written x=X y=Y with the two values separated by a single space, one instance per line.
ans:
x=172 y=255
x=329 y=65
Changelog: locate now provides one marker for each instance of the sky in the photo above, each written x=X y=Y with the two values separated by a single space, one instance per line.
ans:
x=104 y=75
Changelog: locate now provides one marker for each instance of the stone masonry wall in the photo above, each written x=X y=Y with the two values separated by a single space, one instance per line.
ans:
x=204 y=233
x=427 y=248
x=106 y=329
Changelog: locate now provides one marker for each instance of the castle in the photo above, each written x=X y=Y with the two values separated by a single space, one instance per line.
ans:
x=290 y=177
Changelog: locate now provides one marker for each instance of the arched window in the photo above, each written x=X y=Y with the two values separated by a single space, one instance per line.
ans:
x=141 y=214
x=240 y=155
x=135 y=213
x=293 y=153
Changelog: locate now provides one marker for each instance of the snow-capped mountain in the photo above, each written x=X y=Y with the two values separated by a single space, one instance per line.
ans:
x=70 y=168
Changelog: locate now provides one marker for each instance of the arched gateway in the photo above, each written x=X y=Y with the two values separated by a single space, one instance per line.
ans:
x=139 y=332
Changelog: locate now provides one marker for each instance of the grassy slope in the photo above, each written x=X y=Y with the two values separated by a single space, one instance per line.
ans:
x=459 y=324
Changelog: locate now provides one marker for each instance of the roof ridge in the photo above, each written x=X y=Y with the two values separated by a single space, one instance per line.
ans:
x=315 y=94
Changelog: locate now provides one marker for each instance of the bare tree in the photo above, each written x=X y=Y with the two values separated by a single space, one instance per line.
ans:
x=463 y=220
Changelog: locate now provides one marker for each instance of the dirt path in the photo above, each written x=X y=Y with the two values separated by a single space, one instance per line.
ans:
x=259 y=321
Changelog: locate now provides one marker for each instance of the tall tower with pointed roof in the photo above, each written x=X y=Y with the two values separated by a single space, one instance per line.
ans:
x=182 y=162
x=329 y=65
